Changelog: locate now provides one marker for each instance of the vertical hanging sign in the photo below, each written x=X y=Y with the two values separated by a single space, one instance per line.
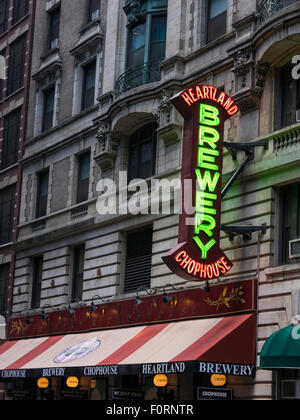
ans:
x=198 y=256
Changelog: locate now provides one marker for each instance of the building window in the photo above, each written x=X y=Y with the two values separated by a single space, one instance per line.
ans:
x=42 y=193
x=16 y=65
x=290 y=220
x=138 y=260
x=142 y=153
x=78 y=269
x=88 y=85
x=48 y=108
x=7 y=203
x=54 y=24
x=158 y=38
x=93 y=10
x=83 y=177
x=10 y=143
x=139 y=36
x=216 y=19
x=4 y=279
x=290 y=97
x=146 y=46
x=37 y=274
x=3 y=15
x=21 y=8
x=136 y=45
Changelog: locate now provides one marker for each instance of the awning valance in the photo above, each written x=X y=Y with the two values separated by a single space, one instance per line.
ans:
x=282 y=349
x=213 y=345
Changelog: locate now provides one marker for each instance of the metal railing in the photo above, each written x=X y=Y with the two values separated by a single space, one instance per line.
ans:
x=268 y=8
x=137 y=76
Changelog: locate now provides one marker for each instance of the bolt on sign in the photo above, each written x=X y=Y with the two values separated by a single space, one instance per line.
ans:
x=198 y=255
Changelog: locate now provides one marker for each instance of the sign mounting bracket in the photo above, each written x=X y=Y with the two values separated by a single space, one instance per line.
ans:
x=246 y=231
x=248 y=148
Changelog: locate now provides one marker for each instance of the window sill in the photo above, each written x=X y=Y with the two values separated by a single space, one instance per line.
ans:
x=9 y=168
x=19 y=90
x=282 y=273
x=6 y=245
x=18 y=22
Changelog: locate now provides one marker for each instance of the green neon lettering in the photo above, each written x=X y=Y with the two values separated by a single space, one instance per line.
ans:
x=206 y=157
x=202 y=204
x=206 y=228
x=209 y=115
x=208 y=135
x=206 y=182
x=204 y=248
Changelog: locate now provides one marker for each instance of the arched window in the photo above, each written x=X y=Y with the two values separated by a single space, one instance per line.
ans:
x=290 y=96
x=142 y=153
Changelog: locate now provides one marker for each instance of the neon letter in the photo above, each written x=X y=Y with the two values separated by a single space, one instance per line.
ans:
x=204 y=248
x=209 y=115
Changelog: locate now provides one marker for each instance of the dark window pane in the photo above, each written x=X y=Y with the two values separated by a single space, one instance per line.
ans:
x=21 y=8
x=54 y=23
x=16 y=65
x=142 y=153
x=290 y=220
x=290 y=94
x=217 y=19
x=7 y=201
x=78 y=269
x=138 y=260
x=136 y=41
x=48 y=108
x=88 y=86
x=11 y=134
x=4 y=279
x=83 y=177
x=36 y=281
x=42 y=194
x=158 y=38
x=217 y=7
x=93 y=7
x=3 y=15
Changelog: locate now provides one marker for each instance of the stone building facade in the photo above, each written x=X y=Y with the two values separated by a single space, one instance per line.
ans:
x=108 y=73
x=16 y=31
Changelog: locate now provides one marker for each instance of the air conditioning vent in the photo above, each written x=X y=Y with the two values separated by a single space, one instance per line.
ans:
x=298 y=115
x=294 y=248
x=54 y=43
x=95 y=15
x=290 y=390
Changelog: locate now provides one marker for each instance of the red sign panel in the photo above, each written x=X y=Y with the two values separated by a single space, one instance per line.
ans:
x=198 y=256
x=229 y=298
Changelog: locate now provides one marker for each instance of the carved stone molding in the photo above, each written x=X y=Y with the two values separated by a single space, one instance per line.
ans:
x=108 y=144
x=135 y=12
x=249 y=80
x=166 y=115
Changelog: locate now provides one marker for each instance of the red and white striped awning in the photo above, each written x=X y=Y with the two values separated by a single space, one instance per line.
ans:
x=216 y=345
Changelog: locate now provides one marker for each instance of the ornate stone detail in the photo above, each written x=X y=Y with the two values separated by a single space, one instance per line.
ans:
x=241 y=66
x=108 y=145
x=165 y=105
x=137 y=13
x=261 y=73
x=170 y=128
x=249 y=80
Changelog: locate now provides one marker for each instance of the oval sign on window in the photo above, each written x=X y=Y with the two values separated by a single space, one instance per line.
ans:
x=72 y=382
x=160 y=380
x=218 y=380
x=43 y=383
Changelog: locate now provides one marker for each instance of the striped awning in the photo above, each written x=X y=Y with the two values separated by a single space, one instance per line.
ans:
x=213 y=345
